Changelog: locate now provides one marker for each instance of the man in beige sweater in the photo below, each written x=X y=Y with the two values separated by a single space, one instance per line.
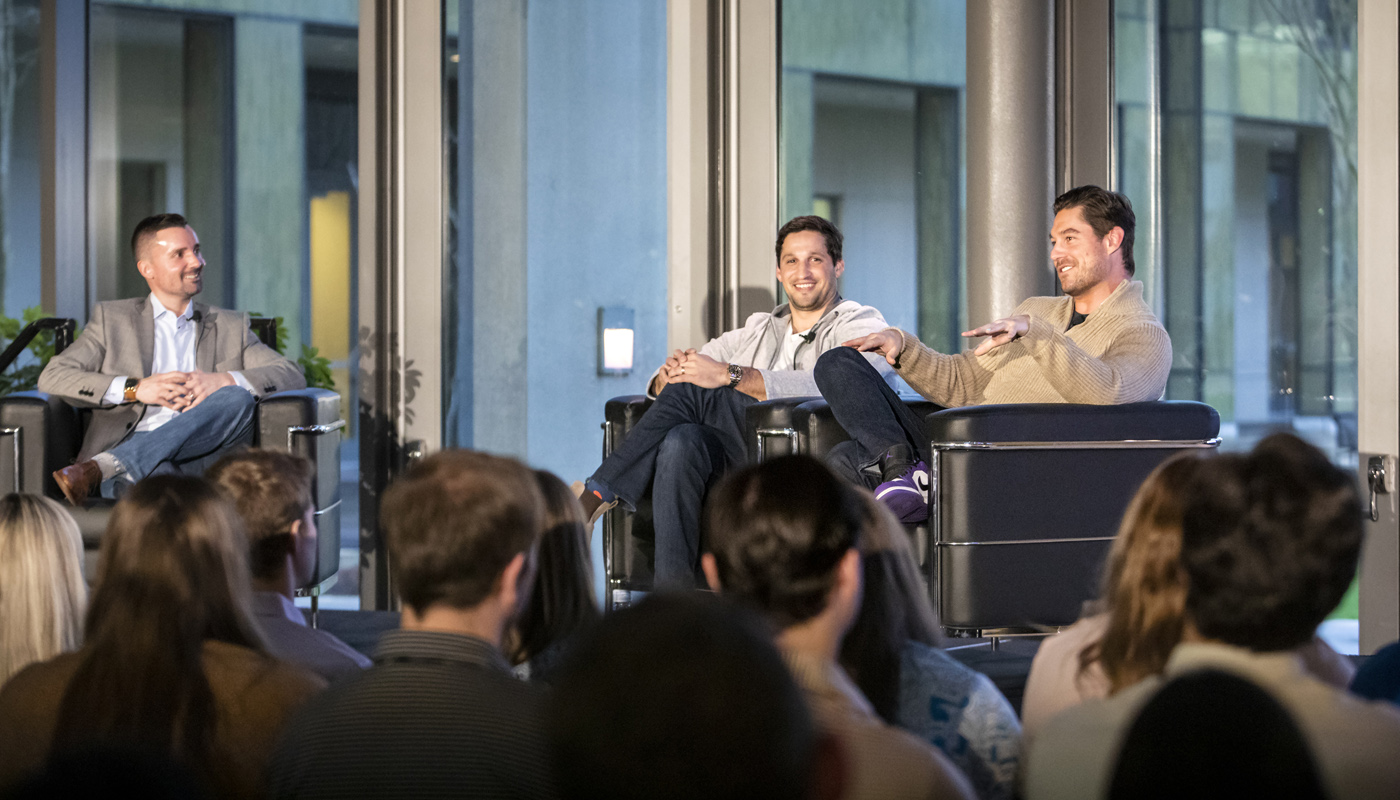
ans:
x=1097 y=344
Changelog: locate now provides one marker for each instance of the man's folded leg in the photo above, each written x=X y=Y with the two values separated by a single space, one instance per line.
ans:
x=887 y=438
x=626 y=473
x=191 y=439
x=689 y=461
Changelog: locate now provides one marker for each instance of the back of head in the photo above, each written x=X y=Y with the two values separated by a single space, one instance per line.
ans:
x=1211 y=734
x=271 y=490
x=1104 y=211
x=681 y=696
x=777 y=531
x=561 y=602
x=816 y=224
x=173 y=573
x=42 y=593
x=1270 y=542
x=894 y=609
x=454 y=523
x=1145 y=586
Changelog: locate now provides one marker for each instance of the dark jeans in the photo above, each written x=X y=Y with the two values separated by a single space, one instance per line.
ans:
x=681 y=446
x=869 y=411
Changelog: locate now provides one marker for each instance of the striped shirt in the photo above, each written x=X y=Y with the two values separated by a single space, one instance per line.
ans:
x=438 y=715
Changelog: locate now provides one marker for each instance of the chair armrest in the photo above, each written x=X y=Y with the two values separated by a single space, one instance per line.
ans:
x=307 y=423
x=620 y=414
x=39 y=433
x=769 y=428
x=1172 y=420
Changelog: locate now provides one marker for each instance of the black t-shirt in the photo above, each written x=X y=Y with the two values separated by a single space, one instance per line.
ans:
x=1076 y=318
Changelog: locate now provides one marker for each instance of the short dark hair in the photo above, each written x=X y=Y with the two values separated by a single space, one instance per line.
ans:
x=1269 y=542
x=150 y=226
x=1104 y=211
x=271 y=490
x=777 y=531
x=454 y=523
x=683 y=695
x=811 y=222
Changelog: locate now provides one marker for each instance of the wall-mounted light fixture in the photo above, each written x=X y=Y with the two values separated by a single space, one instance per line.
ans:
x=616 y=337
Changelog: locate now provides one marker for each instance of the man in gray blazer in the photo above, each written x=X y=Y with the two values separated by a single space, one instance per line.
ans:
x=172 y=383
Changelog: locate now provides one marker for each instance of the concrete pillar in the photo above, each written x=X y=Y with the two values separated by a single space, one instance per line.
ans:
x=1010 y=139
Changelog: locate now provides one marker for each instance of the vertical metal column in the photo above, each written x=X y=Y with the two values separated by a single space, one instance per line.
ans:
x=401 y=255
x=1010 y=141
x=1085 y=143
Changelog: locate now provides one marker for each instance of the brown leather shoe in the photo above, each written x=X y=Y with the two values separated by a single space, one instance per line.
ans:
x=78 y=481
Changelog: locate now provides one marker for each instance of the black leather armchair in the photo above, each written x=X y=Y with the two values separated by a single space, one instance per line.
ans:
x=40 y=433
x=1026 y=499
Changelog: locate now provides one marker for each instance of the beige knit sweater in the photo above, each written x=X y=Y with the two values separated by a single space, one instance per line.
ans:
x=1120 y=354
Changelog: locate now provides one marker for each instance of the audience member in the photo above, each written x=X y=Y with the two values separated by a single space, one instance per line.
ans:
x=682 y=697
x=42 y=594
x=1269 y=544
x=562 y=604
x=1379 y=677
x=439 y=714
x=173 y=662
x=1210 y=734
x=892 y=652
x=783 y=538
x=272 y=492
x=1141 y=612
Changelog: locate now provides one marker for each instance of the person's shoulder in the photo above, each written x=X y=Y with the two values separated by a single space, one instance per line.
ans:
x=1041 y=305
x=39 y=685
x=250 y=672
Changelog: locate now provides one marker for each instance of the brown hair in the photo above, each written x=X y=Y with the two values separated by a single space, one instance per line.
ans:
x=1104 y=211
x=829 y=233
x=271 y=490
x=454 y=523
x=42 y=593
x=1144 y=590
x=173 y=573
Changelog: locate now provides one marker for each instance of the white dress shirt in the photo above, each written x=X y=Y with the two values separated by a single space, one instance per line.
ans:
x=174 y=352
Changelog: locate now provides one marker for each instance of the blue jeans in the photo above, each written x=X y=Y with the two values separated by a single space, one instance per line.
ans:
x=192 y=440
x=870 y=412
x=681 y=446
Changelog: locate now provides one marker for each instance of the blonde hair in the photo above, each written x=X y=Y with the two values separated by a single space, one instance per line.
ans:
x=42 y=594
x=1144 y=591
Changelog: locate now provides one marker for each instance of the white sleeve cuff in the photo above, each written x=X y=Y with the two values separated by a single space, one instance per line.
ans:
x=242 y=381
x=116 y=392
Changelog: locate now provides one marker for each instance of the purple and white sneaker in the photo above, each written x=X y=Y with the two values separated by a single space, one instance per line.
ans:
x=907 y=495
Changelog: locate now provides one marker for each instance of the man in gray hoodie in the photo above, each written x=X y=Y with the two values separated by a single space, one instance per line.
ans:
x=694 y=432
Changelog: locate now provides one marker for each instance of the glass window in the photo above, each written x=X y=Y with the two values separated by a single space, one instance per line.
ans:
x=19 y=155
x=556 y=136
x=871 y=132
x=1238 y=146
x=242 y=116
x=1237 y=143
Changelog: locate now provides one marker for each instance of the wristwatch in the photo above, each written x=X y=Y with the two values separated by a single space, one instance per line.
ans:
x=736 y=374
x=129 y=390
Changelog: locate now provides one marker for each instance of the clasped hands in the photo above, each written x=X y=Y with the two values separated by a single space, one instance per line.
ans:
x=889 y=342
x=180 y=391
x=691 y=366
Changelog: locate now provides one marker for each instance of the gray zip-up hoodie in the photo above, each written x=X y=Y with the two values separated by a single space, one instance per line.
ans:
x=759 y=344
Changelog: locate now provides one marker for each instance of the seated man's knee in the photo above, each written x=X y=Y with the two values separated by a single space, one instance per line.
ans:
x=684 y=443
x=232 y=400
x=839 y=361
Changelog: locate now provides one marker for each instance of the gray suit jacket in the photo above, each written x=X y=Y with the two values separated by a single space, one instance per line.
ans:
x=120 y=340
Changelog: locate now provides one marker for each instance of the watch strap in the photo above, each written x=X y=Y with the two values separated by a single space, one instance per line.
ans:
x=129 y=389
x=736 y=374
